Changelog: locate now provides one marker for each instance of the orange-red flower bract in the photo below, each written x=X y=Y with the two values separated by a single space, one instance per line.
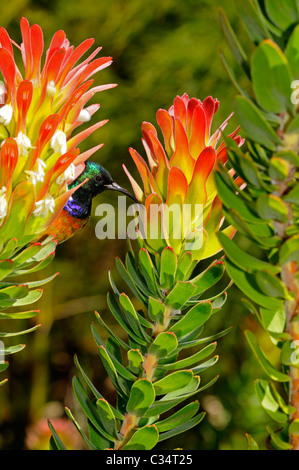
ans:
x=40 y=108
x=179 y=178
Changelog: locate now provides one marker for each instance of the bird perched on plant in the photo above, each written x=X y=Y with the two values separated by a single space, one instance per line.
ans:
x=76 y=213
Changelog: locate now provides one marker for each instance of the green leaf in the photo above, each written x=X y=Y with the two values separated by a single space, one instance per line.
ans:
x=143 y=439
x=118 y=315
x=282 y=13
x=293 y=195
x=272 y=207
x=180 y=294
x=185 y=264
x=253 y=20
x=290 y=354
x=271 y=78
x=247 y=283
x=271 y=371
x=231 y=200
x=27 y=254
x=252 y=444
x=233 y=41
x=18 y=333
x=95 y=392
x=111 y=371
x=142 y=396
x=205 y=365
x=168 y=268
x=268 y=401
x=58 y=444
x=80 y=430
x=148 y=270
x=271 y=285
x=3 y=365
x=292 y=52
x=14 y=349
x=254 y=125
x=294 y=427
x=190 y=361
x=208 y=278
x=287 y=409
x=126 y=276
x=135 y=359
x=22 y=204
x=156 y=310
x=89 y=409
x=164 y=344
x=277 y=442
x=278 y=169
x=9 y=248
x=192 y=320
x=182 y=427
x=173 y=399
x=178 y=418
x=30 y=298
x=173 y=382
x=273 y=320
x=6 y=267
x=14 y=292
x=289 y=251
x=107 y=417
x=111 y=332
x=242 y=259
x=131 y=315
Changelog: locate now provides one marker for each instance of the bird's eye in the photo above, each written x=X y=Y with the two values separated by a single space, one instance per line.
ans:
x=98 y=178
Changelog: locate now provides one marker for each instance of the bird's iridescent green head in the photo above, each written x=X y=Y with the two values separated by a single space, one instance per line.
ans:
x=98 y=181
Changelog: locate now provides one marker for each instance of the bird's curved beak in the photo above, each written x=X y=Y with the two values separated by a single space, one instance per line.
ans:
x=116 y=187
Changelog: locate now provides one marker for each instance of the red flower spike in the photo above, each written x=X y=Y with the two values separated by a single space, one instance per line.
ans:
x=40 y=108
x=74 y=57
x=27 y=51
x=37 y=47
x=184 y=173
x=8 y=160
x=5 y=41
x=198 y=131
x=24 y=98
x=8 y=69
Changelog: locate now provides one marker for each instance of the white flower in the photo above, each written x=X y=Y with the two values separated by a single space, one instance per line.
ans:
x=6 y=114
x=84 y=116
x=51 y=89
x=37 y=174
x=43 y=206
x=68 y=175
x=3 y=204
x=58 y=142
x=24 y=144
x=3 y=92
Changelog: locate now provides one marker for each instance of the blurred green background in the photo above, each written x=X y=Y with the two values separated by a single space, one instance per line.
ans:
x=159 y=49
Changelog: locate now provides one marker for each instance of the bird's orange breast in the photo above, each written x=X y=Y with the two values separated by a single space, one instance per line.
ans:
x=64 y=227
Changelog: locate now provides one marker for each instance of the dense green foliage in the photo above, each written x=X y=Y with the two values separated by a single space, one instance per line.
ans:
x=266 y=212
x=160 y=49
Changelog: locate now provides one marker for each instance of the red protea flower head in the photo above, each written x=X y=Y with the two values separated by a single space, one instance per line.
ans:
x=181 y=173
x=40 y=107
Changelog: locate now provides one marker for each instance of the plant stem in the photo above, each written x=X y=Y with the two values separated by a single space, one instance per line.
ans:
x=288 y=276
x=149 y=366
x=289 y=271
